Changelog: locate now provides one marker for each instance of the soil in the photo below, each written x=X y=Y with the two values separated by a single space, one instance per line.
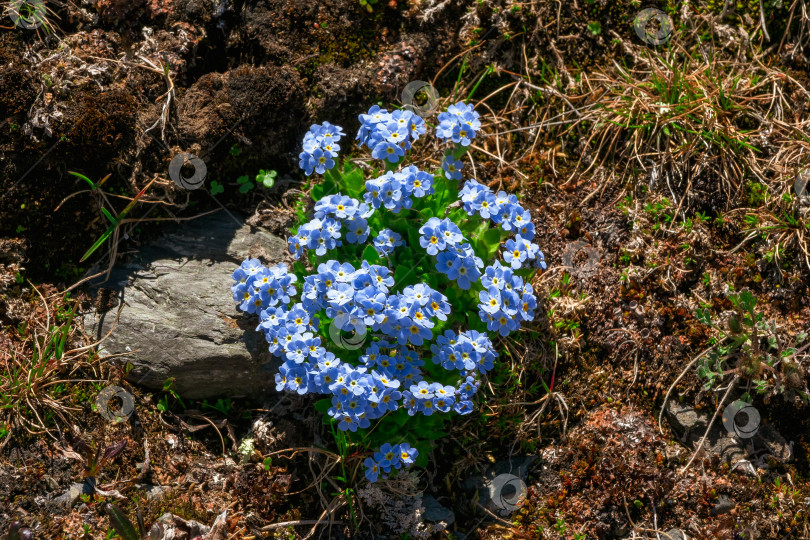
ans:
x=119 y=87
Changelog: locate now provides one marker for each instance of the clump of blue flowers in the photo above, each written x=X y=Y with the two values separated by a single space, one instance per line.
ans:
x=389 y=134
x=389 y=456
x=392 y=320
x=320 y=148
x=458 y=124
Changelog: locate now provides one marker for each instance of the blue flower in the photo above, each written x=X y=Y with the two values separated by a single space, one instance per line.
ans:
x=387 y=456
x=388 y=399
x=422 y=390
x=389 y=375
x=459 y=123
x=444 y=403
x=297 y=379
x=526 y=230
x=389 y=135
x=451 y=233
x=391 y=193
x=387 y=150
x=452 y=167
x=407 y=454
x=394 y=190
x=306 y=162
x=417 y=126
x=386 y=241
x=432 y=238
x=464 y=406
x=295 y=246
x=461 y=264
x=358 y=230
x=371 y=302
x=329 y=131
x=320 y=146
x=468 y=387
x=438 y=306
x=348 y=422
x=515 y=253
x=372 y=469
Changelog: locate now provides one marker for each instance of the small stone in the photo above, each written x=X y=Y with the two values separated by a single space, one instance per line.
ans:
x=52 y=484
x=674 y=534
x=745 y=467
x=435 y=512
x=690 y=425
x=723 y=505
x=73 y=494
x=153 y=492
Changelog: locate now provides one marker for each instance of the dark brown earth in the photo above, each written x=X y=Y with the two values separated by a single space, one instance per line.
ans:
x=245 y=80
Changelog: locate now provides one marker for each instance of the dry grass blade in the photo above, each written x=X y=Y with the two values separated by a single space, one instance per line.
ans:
x=34 y=393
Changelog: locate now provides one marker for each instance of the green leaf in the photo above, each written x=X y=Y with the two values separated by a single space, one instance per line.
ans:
x=489 y=242
x=266 y=178
x=216 y=188
x=98 y=243
x=327 y=187
x=401 y=417
x=371 y=255
x=323 y=405
x=704 y=316
x=121 y=522
x=83 y=177
x=423 y=448
x=108 y=215
x=413 y=237
x=403 y=276
x=354 y=182
x=432 y=434
x=245 y=184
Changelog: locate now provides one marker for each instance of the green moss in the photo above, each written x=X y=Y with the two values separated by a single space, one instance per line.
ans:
x=346 y=46
x=755 y=194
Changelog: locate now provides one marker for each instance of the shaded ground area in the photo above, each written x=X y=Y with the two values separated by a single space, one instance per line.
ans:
x=662 y=182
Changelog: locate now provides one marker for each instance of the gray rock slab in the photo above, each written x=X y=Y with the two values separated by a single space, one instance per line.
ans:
x=180 y=320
